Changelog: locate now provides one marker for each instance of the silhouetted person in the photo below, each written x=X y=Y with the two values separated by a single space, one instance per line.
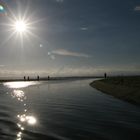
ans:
x=24 y=78
x=28 y=78
x=105 y=75
x=48 y=77
x=38 y=78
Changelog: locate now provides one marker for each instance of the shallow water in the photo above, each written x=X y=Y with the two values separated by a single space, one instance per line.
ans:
x=64 y=110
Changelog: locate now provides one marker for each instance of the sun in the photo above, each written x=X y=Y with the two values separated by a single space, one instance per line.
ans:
x=20 y=26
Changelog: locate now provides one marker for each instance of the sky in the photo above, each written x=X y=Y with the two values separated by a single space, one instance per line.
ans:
x=71 y=38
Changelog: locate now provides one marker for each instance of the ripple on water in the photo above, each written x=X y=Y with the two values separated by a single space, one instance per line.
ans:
x=65 y=111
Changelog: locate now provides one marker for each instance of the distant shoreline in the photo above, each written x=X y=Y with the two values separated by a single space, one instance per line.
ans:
x=46 y=78
x=124 y=88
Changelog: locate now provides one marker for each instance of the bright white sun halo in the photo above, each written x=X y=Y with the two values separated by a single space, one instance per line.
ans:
x=20 y=26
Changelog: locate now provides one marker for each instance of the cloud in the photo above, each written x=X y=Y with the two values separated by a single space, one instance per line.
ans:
x=84 y=28
x=137 y=8
x=69 y=53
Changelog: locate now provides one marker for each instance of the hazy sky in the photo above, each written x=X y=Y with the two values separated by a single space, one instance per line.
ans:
x=72 y=37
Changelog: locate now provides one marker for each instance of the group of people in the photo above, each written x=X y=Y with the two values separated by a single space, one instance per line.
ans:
x=28 y=78
x=38 y=78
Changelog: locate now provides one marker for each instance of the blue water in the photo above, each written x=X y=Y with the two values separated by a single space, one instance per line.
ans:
x=64 y=110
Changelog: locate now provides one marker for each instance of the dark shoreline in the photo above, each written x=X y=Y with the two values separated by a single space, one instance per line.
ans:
x=46 y=78
x=124 y=88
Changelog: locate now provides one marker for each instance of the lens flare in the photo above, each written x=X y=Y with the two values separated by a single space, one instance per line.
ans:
x=1 y=8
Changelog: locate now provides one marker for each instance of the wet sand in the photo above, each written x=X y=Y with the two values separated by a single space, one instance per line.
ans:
x=125 y=88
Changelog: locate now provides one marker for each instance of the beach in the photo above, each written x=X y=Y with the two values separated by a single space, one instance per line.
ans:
x=125 y=88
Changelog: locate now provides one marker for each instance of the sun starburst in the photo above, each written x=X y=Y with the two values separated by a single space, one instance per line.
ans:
x=20 y=26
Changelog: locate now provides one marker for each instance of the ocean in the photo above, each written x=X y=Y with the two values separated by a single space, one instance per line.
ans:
x=64 y=110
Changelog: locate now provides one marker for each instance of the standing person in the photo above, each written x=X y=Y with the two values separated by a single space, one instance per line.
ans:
x=38 y=78
x=48 y=77
x=105 y=75
x=24 y=78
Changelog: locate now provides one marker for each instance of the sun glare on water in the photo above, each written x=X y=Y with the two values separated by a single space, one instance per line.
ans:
x=30 y=120
x=18 y=85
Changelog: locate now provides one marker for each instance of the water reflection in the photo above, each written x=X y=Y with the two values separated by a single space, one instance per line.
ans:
x=18 y=85
x=24 y=118
x=31 y=120
x=19 y=135
x=19 y=94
